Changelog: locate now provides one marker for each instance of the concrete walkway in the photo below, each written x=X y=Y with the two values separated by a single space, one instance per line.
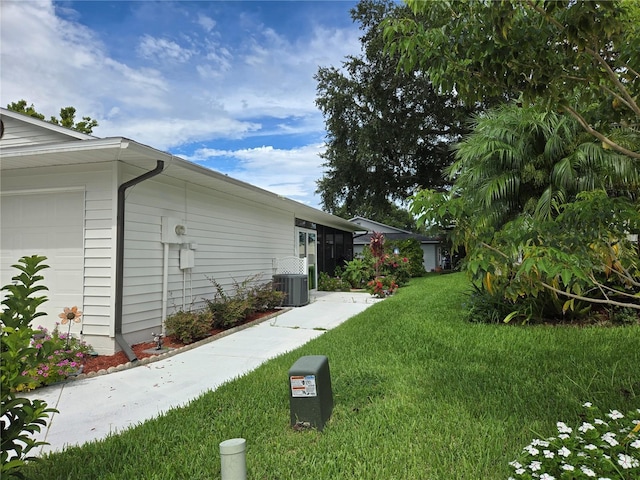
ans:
x=92 y=408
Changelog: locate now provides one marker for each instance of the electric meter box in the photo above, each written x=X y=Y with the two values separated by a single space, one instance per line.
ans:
x=310 y=394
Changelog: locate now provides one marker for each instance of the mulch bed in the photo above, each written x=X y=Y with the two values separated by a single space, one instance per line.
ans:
x=103 y=362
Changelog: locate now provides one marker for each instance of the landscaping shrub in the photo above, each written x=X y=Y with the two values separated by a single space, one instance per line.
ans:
x=189 y=327
x=358 y=272
x=485 y=307
x=228 y=310
x=332 y=284
x=58 y=356
x=20 y=417
x=266 y=297
x=249 y=296
x=624 y=316
x=382 y=287
x=411 y=249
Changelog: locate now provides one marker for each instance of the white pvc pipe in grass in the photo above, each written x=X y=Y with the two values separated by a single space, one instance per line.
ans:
x=233 y=460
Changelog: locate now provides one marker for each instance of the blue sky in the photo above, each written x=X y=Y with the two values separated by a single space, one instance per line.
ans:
x=227 y=84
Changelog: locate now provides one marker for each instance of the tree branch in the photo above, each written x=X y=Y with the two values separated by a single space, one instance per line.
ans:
x=616 y=81
x=599 y=135
x=590 y=300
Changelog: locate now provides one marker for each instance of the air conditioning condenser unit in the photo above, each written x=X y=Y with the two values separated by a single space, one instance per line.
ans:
x=296 y=287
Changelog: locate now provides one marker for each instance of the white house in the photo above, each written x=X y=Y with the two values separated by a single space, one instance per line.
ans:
x=431 y=246
x=132 y=233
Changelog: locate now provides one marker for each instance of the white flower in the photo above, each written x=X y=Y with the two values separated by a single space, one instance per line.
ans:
x=515 y=464
x=568 y=467
x=564 y=436
x=609 y=438
x=587 y=471
x=597 y=421
x=604 y=478
x=563 y=428
x=585 y=427
x=546 y=476
x=520 y=471
x=586 y=404
x=535 y=466
x=626 y=461
x=548 y=454
x=533 y=451
x=591 y=446
x=615 y=415
x=564 y=452
x=635 y=443
x=540 y=443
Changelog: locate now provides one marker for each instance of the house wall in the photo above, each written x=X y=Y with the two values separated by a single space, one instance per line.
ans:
x=233 y=239
x=18 y=133
x=95 y=238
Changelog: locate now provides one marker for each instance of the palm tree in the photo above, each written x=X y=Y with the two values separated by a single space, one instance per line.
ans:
x=528 y=160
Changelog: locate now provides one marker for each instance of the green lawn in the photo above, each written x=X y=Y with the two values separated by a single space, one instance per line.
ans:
x=419 y=394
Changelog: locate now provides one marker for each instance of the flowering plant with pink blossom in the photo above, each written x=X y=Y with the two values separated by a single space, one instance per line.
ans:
x=58 y=356
x=601 y=447
x=382 y=287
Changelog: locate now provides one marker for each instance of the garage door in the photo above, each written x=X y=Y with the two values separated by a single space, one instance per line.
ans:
x=49 y=224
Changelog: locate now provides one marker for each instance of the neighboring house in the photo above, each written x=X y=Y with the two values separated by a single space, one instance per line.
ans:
x=431 y=246
x=133 y=234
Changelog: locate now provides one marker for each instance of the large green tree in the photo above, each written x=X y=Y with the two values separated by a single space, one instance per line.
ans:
x=579 y=57
x=388 y=133
x=529 y=160
x=575 y=58
x=67 y=117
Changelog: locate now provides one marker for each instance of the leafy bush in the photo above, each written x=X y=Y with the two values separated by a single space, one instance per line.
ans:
x=483 y=306
x=20 y=417
x=390 y=270
x=549 y=270
x=602 y=446
x=266 y=297
x=358 y=272
x=58 y=356
x=248 y=297
x=332 y=284
x=625 y=316
x=410 y=249
x=382 y=287
x=398 y=267
x=189 y=326
x=229 y=310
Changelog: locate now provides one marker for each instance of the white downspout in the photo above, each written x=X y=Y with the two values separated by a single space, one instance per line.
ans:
x=165 y=285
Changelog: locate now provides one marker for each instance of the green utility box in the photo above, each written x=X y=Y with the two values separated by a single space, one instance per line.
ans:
x=310 y=394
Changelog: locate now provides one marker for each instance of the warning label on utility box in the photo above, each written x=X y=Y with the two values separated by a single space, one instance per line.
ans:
x=303 y=385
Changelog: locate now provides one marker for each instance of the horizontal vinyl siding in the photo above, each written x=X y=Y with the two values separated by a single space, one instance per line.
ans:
x=99 y=251
x=19 y=133
x=146 y=203
x=235 y=238
x=96 y=180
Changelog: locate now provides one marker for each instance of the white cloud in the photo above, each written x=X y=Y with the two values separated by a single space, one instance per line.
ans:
x=291 y=173
x=163 y=50
x=62 y=63
x=194 y=85
x=207 y=23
